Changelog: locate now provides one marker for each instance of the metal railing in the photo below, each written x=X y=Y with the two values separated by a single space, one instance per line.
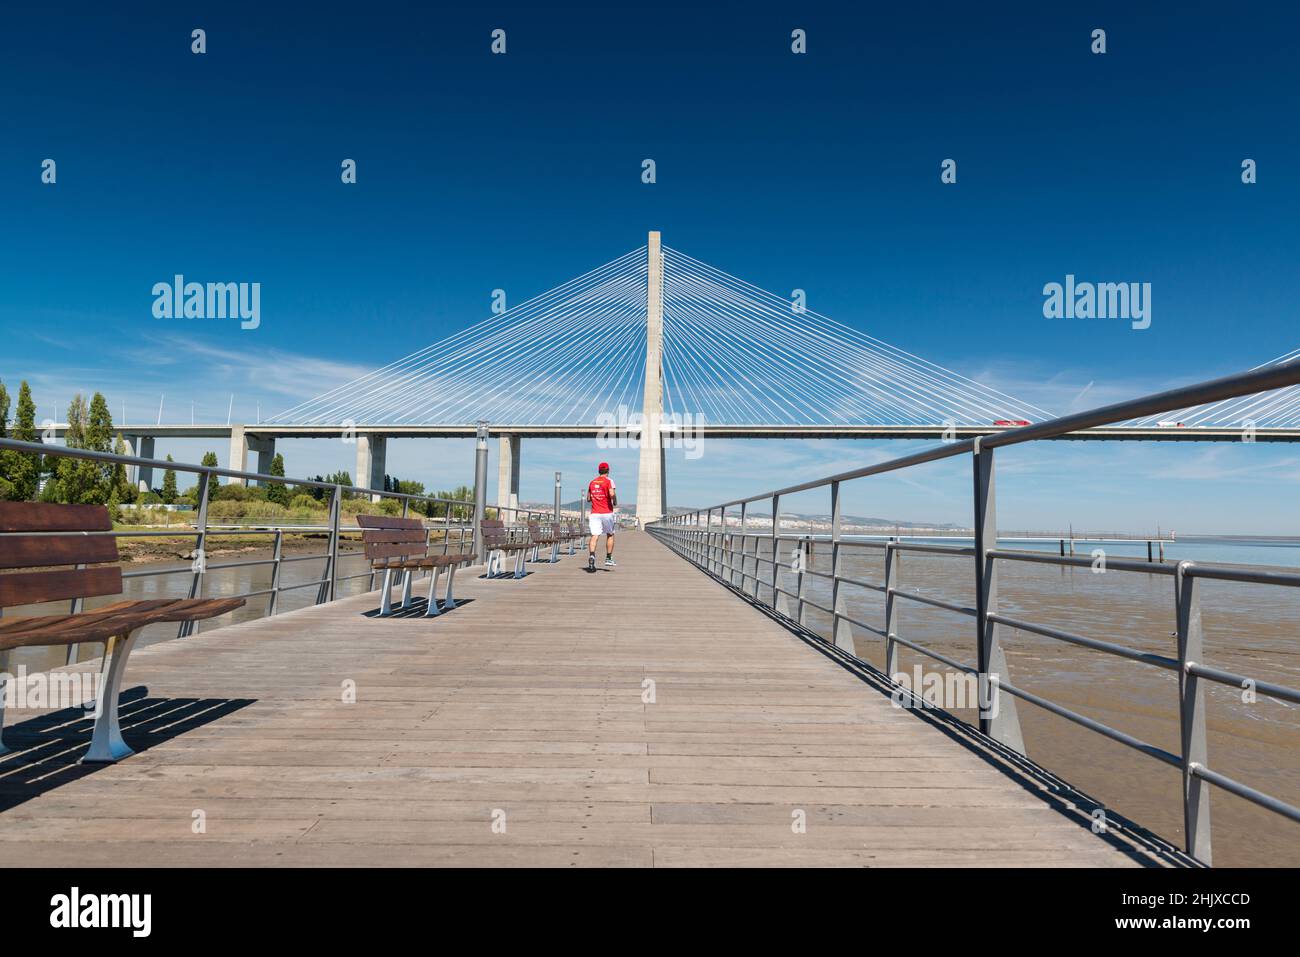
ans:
x=454 y=525
x=707 y=538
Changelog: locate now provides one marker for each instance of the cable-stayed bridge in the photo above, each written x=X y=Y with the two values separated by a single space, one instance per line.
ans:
x=658 y=338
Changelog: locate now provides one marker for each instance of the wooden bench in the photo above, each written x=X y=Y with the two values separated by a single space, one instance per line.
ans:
x=57 y=540
x=542 y=536
x=499 y=539
x=401 y=545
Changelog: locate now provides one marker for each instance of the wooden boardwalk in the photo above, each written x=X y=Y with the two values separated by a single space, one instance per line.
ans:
x=524 y=708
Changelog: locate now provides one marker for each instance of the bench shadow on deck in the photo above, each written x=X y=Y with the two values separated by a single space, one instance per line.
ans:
x=528 y=697
x=44 y=750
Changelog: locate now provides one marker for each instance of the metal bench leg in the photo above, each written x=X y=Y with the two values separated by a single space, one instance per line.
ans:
x=450 y=602
x=106 y=744
x=431 y=609
x=555 y=553
x=386 y=593
x=407 y=581
x=519 y=562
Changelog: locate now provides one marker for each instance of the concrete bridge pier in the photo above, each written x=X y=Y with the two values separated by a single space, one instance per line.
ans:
x=241 y=443
x=141 y=445
x=508 y=472
x=372 y=461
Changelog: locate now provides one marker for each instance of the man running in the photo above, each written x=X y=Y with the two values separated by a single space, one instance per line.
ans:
x=601 y=495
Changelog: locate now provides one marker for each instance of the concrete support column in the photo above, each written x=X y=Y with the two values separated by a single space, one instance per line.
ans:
x=241 y=443
x=651 y=494
x=141 y=445
x=508 y=472
x=372 y=454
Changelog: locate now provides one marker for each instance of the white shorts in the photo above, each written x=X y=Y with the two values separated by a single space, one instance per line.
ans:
x=602 y=524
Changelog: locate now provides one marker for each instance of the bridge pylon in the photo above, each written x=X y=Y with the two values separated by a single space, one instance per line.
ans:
x=651 y=491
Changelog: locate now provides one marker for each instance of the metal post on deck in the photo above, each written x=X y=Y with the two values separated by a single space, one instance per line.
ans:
x=1000 y=722
x=892 y=569
x=776 y=552
x=329 y=580
x=277 y=558
x=200 y=560
x=744 y=551
x=841 y=629
x=480 y=489
x=1191 y=716
x=557 y=496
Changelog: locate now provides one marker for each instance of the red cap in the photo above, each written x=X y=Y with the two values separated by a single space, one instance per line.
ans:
x=602 y=467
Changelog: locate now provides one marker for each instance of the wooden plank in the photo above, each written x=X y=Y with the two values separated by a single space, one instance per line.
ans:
x=33 y=588
x=27 y=551
x=45 y=517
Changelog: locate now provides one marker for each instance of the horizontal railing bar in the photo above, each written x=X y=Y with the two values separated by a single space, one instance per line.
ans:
x=935 y=549
x=860 y=584
x=1249 y=576
x=861 y=624
x=1160 y=661
x=950 y=662
x=150 y=572
x=248 y=563
x=936 y=602
x=1243 y=791
x=1233 y=680
x=1136 y=744
x=318 y=582
x=1079 y=561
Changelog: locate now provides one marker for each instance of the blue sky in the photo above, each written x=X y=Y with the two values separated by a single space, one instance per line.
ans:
x=819 y=171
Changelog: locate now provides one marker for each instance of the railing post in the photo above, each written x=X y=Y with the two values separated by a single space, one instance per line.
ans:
x=329 y=580
x=277 y=556
x=841 y=629
x=480 y=489
x=1001 y=721
x=777 y=599
x=744 y=551
x=892 y=569
x=200 y=562
x=75 y=648
x=1191 y=717
x=800 y=559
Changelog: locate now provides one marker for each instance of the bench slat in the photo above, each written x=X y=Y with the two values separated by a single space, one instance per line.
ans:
x=45 y=517
x=393 y=535
x=25 y=551
x=382 y=550
x=389 y=521
x=31 y=588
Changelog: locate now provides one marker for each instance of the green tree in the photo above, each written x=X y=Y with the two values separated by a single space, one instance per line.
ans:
x=24 y=469
x=214 y=485
x=7 y=488
x=169 y=493
x=74 y=481
x=99 y=438
x=276 y=491
x=122 y=490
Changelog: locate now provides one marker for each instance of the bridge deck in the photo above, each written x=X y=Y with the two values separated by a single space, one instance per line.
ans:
x=527 y=700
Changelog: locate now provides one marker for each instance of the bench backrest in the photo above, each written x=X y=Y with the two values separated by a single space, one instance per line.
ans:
x=538 y=532
x=45 y=550
x=387 y=536
x=497 y=533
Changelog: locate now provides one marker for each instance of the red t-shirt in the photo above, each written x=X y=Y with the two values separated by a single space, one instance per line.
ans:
x=600 y=492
